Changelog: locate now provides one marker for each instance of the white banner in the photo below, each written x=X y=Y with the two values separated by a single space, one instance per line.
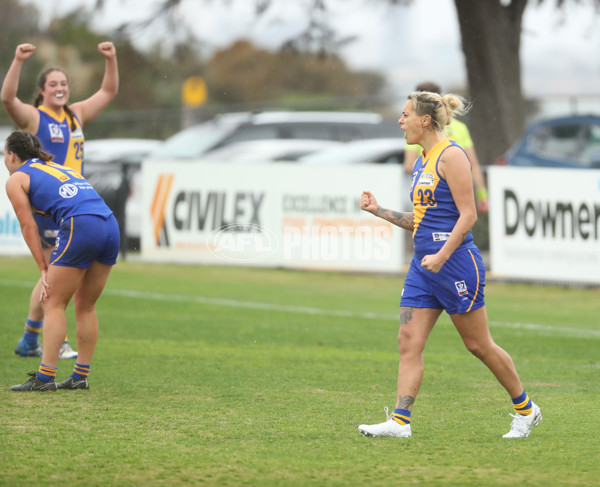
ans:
x=11 y=240
x=277 y=214
x=545 y=223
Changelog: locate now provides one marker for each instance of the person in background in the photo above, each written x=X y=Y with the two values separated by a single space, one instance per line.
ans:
x=87 y=247
x=460 y=133
x=58 y=126
x=446 y=271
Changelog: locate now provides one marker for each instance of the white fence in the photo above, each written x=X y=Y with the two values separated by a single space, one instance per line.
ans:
x=544 y=223
x=11 y=240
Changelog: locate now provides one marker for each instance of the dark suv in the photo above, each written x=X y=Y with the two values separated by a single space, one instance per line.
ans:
x=236 y=127
x=572 y=141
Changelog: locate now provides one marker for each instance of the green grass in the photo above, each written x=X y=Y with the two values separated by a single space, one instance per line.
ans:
x=239 y=376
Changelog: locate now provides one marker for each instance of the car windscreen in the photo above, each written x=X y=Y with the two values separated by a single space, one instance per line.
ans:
x=569 y=143
x=351 y=153
x=193 y=141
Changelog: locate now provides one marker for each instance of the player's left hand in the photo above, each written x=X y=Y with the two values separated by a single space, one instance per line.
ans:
x=432 y=263
x=107 y=49
x=483 y=206
x=45 y=288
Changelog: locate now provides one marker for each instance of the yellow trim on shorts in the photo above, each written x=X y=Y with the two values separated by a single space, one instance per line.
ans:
x=477 y=287
x=68 y=243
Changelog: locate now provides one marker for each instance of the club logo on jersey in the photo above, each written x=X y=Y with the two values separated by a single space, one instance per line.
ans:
x=461 y=288
x=440 y=236
x=68 y=190
x=426 y=179
x=56 y=133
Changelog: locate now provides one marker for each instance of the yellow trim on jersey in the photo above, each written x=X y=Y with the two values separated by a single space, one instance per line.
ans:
x=59 y=117
x=426 y=184
x=60 y=175
x=57 y=171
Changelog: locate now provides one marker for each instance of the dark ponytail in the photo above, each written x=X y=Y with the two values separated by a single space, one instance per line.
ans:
x=26 y=146
x=39 y=98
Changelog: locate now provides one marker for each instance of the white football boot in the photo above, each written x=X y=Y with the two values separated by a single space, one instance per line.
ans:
x=66 y=352
x=389 y=428
x=521 y=426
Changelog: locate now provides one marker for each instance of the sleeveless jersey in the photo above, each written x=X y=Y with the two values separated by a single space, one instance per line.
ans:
x=57 y=138
x=61 y=192
x=435 y=213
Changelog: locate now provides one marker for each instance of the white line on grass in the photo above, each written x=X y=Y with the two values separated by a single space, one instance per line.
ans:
x=233 y=303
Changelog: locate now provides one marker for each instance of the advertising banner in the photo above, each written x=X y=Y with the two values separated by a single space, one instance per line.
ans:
x=272 y=215
x=545 y=224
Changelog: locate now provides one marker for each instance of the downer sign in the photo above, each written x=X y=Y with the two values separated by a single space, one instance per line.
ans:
x=545 y=224
x=562 y=219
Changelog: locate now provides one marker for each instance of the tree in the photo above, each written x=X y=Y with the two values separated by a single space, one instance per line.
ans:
x=491 y=40
x=244 y=73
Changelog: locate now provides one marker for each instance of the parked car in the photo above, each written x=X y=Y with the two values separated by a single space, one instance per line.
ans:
x=268 y=150
x=372 y=151
x=111 y=166
x=571 y=142
x=237 y=127
x=377 y=151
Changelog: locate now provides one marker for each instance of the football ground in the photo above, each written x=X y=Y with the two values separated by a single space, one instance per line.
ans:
x=237 y=376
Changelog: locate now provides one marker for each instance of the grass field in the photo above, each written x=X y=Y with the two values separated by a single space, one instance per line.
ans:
x=233 y=376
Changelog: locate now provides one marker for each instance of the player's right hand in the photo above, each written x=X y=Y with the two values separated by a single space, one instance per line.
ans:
x=368 y=202
x=24 y=51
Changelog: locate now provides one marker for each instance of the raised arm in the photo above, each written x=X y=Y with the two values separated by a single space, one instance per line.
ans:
x=399 y=218
x=25 y=116
x=88 y=109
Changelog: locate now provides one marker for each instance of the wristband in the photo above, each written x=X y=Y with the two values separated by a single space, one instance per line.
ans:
x=481 y=194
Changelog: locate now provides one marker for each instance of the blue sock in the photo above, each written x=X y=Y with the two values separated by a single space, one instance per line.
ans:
x=32 y=331
x=522 y=404
x=401 y=416
x=80 y=371
x=45 y=372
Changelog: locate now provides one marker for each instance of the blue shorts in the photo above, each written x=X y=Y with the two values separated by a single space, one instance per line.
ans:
x=47 y=229
x=457 y=287
x=83 y=239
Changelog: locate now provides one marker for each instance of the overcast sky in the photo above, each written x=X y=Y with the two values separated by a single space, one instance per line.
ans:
x=560 y=51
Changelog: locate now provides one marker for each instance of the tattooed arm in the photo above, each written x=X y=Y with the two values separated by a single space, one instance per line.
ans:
x=401 y=219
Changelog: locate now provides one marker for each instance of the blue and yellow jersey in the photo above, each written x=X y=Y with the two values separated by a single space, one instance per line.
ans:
x=435 y=213
x=57 y=138
x=61 y=192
